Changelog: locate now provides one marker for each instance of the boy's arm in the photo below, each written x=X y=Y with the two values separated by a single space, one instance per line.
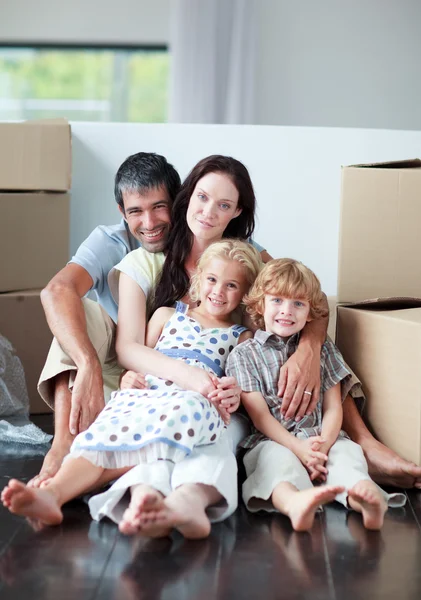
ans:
x=265 y=422
x=301 y=373
x=308 y=451
x=332 y=417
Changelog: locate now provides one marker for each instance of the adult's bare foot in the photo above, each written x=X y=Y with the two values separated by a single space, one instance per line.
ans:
x=20 y=499
x=367 y=499
x=302 y=506
x=52 y=463
x=187 y=510
x=146 y=514
x=388 y=468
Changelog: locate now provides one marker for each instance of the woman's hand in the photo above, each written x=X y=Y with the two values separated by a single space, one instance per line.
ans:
x=130 y=380
x=299 y=383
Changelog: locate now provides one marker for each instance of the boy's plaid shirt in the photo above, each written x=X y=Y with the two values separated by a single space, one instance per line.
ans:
x=256 y=364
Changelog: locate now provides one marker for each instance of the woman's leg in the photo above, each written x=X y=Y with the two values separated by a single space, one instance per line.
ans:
x=75 y=476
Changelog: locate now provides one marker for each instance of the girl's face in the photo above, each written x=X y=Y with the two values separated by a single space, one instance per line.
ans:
x=223 y=284
x=213 y=204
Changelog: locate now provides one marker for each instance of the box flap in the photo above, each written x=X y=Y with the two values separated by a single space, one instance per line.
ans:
x=392 y=303
x=409 y=163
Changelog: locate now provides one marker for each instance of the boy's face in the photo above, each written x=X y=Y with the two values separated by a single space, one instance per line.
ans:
x=148 y=217
x=285 y=316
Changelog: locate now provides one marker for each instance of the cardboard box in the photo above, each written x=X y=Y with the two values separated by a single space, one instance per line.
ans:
x=381 y=342
x=23 y=323
x=34 y=238
x=35 y=155
x=380 y=241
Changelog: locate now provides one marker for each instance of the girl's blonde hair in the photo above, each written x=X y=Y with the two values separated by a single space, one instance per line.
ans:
x=287 y=278
x=227 y=249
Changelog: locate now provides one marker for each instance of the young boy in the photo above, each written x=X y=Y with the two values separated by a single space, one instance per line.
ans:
x=284 y=456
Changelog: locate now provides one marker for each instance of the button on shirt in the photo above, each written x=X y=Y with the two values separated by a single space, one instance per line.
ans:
x=256 y=364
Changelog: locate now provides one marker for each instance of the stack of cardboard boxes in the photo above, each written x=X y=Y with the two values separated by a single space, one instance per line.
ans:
x=379 y=294
x=35 y=169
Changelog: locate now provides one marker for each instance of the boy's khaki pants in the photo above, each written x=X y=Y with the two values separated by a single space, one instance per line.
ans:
x=269 y=464
x=101 y=330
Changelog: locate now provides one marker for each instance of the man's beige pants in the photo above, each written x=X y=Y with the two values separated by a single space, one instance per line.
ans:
x=101 y=331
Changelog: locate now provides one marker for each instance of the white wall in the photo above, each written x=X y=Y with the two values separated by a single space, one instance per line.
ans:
x=337 y=63
x=85 y=21
x=295 y=170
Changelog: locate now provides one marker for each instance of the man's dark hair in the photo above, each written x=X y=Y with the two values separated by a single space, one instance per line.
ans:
x=145 y=171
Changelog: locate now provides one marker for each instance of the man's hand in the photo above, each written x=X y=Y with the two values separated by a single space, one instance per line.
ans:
x=299 y=383
x=130 y=380
x=226 y=396
x=309 y=453
x=87 y=398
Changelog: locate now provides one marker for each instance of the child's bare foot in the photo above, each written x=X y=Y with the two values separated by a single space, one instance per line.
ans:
x=302 y=506
x=366 y=498
x=145 y=514
x=34 y=503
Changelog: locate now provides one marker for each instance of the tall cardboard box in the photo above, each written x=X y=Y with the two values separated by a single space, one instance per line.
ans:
x=381 y=342
x=23 y=323
x=34 y=238
x=35 y=155
x=380 y=241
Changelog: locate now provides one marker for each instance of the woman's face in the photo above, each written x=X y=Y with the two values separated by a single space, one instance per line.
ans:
x=213 y=204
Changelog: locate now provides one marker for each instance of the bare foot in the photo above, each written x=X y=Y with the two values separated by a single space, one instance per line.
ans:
x=33 y=503
x=144 y=514
x=184 y=510
x=52 y=463
x=302 y=506
x=388 y=468
x=187 y=507
x=367 y=499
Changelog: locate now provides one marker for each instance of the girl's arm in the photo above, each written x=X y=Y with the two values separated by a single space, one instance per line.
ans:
x=332 y=417
x=135 y=356
x=156 y=325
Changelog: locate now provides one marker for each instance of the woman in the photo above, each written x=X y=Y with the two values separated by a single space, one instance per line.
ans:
x=216 y=200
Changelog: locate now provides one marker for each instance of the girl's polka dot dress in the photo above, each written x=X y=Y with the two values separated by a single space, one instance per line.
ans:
x=164 y=421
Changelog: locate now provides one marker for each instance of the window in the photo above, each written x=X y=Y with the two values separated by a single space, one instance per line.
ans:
x=94 y=84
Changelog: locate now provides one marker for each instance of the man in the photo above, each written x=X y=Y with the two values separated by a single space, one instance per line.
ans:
x=81 y=367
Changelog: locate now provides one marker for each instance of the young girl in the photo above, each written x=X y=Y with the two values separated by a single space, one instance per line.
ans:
x=161 y=425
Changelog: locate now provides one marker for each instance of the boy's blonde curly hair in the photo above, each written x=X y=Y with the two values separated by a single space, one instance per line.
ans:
x=287 y=278
x=228 y=249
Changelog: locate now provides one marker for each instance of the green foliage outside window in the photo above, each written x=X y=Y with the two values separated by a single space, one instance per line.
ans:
x=84 y=85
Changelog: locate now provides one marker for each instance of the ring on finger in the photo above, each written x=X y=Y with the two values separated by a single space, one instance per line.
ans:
x=309 y=393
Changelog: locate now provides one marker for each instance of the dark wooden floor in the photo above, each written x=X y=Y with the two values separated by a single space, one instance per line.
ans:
x=248 y=556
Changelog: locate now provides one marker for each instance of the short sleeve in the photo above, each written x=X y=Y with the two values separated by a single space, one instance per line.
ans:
x=97 y=255
x=242 y=368
x=258 y=247
x=333 y=368
x=142 y=266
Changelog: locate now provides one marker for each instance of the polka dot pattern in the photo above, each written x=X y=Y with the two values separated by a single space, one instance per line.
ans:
x=165 y=413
